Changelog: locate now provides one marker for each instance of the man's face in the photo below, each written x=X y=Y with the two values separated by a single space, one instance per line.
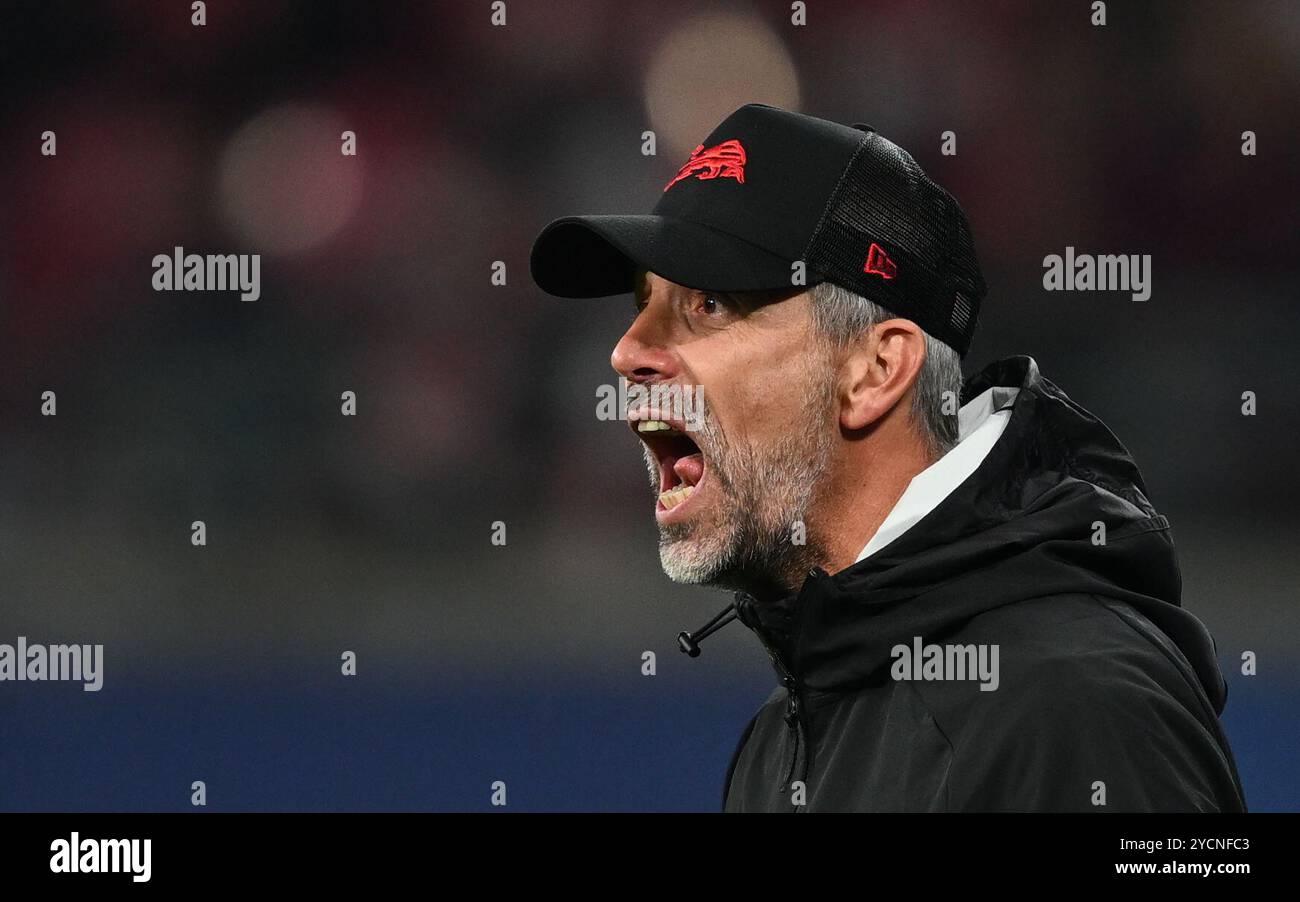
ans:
x=733 y=493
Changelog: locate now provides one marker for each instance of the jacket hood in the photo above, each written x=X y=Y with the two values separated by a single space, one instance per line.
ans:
x=1022 y=526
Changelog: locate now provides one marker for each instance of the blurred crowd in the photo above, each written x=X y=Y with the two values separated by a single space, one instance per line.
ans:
x=476 y=401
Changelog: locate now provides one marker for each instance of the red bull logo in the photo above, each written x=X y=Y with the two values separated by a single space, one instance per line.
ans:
x=725 y=160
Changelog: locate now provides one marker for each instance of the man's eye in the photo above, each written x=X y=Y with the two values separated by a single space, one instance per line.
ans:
x=709 y=304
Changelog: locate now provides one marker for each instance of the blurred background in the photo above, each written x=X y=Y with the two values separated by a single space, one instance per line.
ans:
x=476 y=402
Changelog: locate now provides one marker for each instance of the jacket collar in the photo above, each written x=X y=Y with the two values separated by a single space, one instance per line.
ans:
x=1018 y=528
x=982 y=421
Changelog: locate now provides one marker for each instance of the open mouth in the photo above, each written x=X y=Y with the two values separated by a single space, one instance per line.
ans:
x=681 y=462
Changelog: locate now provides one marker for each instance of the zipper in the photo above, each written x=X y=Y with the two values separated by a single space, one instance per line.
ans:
x=793 y=719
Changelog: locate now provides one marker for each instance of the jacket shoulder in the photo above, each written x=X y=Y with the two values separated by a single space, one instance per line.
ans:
x=1088 y=714
x=777 y=695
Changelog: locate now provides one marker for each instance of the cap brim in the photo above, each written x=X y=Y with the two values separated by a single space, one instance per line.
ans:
x=597 y=256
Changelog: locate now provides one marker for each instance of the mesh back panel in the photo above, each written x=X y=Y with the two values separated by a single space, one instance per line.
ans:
x=884 y=198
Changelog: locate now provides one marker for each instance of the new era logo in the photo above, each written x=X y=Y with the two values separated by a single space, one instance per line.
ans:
x=878 y=262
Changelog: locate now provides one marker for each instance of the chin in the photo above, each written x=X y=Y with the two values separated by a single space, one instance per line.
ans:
x=685 y=562
x=698 y=560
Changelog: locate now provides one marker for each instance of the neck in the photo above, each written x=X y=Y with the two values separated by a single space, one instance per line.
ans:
x=873 y=473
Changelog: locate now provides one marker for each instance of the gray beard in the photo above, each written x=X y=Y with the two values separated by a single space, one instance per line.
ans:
x=747 y=541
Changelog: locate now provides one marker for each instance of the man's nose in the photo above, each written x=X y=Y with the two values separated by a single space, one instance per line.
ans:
x=642 y=354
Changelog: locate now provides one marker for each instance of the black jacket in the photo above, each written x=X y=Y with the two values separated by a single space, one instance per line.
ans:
x=1108 y=691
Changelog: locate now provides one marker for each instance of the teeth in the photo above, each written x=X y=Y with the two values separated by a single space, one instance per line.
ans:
x=654 y=426
x=674 y=497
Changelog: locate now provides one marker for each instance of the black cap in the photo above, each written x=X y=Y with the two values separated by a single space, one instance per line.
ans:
x=769 y=189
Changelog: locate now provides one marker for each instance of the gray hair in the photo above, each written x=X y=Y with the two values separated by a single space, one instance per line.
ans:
x=842 y=316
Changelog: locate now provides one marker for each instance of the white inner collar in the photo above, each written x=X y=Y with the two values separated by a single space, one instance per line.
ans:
x=980 y=423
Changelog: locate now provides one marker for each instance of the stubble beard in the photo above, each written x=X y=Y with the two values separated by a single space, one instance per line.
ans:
x=747 y=539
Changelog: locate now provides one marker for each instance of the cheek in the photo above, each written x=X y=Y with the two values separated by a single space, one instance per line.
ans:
x=757 y=397
x=756 y=377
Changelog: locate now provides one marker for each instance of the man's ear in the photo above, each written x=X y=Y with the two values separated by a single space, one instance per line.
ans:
x=878 y=369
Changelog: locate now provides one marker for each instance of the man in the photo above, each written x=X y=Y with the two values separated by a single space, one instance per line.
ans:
x=968 y=607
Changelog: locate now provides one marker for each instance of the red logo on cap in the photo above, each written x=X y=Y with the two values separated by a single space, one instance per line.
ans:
x=725 y=160
x=878 y=262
